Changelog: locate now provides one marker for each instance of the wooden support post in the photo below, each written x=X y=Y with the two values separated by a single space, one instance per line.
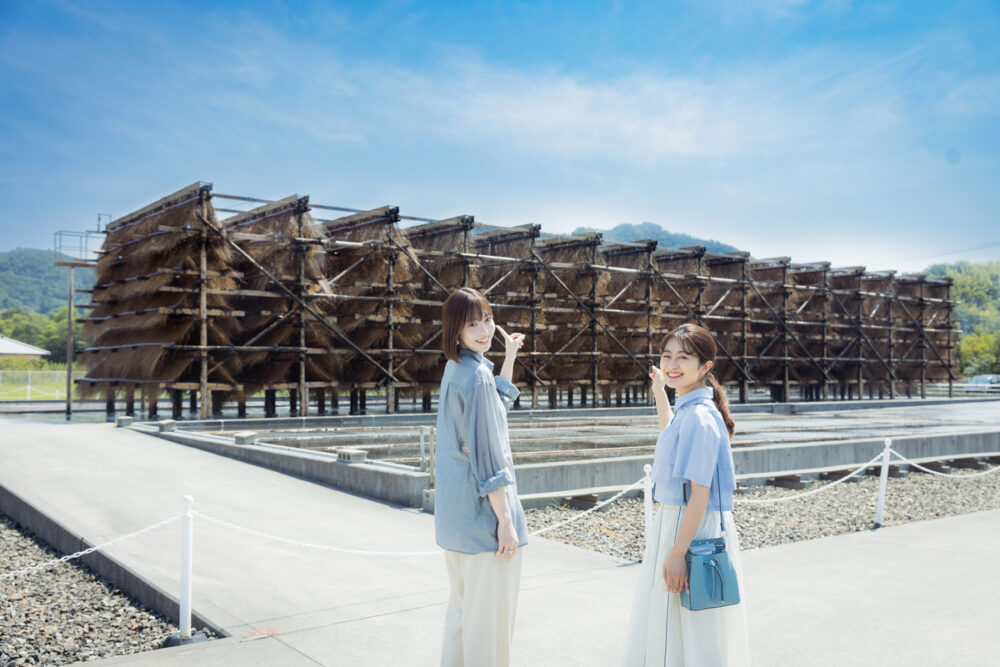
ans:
x=786 y=361
x=270 y=403
x=130 y=401
x=241 y=404
x=391 y=399
x=303 y=390
x=553 y=397
x=321 y=401
x=154 y=401
x=533 y=336
x=923 y=341
x=569 y=396
x=176 y=403
x=109 y=403
x=744 y=322
x=594 y=360
x=426 y=401
x=354 y=402
x=70 y=321
x=206 y=395
x=193 y=401
x=362 y=401
x=892 y=336
x=861 y=338
x=949 y=306
x=293 y=397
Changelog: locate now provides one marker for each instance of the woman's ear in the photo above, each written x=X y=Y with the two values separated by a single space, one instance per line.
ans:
x=707 y=367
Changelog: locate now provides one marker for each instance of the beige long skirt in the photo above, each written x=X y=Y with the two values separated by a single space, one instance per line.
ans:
x=662 y=632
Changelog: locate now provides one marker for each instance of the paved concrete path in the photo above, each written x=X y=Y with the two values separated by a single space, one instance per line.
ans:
x=920 y=594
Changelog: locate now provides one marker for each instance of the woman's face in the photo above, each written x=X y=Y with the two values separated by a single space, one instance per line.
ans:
x=682 y=370
x=477 y=335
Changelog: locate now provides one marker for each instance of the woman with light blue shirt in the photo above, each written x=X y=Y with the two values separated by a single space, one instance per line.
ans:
x=693 y=480
x=478 y=519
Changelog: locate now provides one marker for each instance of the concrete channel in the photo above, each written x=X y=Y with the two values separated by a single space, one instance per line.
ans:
x=564 y=453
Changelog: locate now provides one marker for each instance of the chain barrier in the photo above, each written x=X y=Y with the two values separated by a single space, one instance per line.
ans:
x=79 y=554
x=44 y=565
x=796 y=496
x=366 y=552
x=311 y=545
x=592 y=509
x=944 y=474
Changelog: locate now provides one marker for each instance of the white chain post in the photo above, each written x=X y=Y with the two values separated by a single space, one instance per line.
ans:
x=187 y=550
x=883 y=483
x=423 y=464
x=647 y=498
x=430 y=465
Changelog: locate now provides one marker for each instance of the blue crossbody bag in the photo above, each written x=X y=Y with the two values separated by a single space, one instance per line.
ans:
x=711 y=577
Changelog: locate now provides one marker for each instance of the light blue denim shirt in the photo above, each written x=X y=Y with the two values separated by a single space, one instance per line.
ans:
x=472 y=456
x=689 y=448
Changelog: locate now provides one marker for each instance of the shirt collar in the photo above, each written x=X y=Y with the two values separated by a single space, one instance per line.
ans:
x=465 y=353
x=693 y=396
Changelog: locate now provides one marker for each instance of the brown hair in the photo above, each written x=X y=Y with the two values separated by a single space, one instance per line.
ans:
x=461 y=306
x=698 y=341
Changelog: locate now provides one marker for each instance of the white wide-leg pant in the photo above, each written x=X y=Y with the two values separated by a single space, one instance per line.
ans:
x=479 y=624
x=662 y=632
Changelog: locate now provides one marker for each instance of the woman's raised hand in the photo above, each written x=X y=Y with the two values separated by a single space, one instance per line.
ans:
x=512 y=342
x=656 y=375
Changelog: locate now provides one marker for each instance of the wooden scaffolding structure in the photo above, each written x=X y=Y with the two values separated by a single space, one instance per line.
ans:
x=277 y=298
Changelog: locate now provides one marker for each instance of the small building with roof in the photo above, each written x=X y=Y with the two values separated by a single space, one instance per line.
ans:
x=15 y=349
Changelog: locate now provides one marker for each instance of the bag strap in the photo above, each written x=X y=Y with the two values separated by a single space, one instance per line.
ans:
x=718 y=476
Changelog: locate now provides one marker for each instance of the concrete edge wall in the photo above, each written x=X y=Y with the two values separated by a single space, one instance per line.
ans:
x=567 y=475
x=429 y=418
x=395 y=486
x=59 y=537
x=765 y=459
x=407 y=488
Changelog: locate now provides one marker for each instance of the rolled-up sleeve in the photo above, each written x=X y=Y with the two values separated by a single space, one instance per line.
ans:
x=486 y=426
x=508 y=392
x=697 y=449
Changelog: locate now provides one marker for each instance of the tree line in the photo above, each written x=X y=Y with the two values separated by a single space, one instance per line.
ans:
x=977 y=287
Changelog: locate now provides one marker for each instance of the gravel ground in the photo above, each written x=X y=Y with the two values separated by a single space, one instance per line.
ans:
x=66 y=613
x=617 y=530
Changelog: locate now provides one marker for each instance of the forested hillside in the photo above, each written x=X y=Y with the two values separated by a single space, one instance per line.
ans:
x=29 y=280
x=649 y=230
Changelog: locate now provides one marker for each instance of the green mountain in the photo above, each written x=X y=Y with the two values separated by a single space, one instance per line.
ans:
x=650 y=230
x=29 y=280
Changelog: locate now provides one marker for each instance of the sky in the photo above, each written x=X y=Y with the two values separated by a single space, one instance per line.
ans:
x=859 y=133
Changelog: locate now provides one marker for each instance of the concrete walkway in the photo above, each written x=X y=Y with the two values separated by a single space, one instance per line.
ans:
x=920 y=594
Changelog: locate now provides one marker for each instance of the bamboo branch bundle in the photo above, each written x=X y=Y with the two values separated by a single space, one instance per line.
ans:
x=164 y=235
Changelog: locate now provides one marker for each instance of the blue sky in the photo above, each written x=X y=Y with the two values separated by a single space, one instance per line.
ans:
x=860 y=133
